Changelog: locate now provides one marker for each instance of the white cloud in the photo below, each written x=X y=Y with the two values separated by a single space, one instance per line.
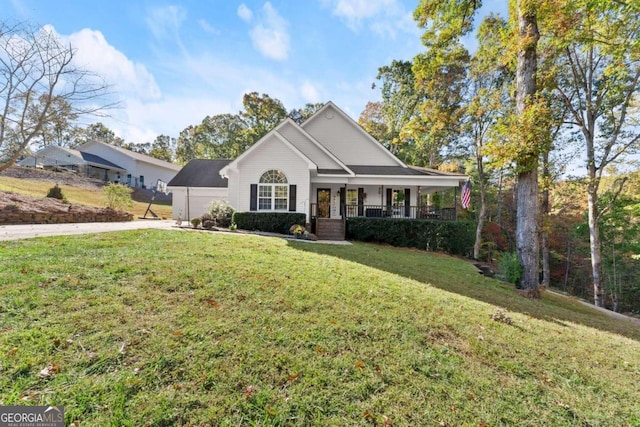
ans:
x=384 y=17
x=245 y=13
x=164 y=22
x=270 y=36
x=208 y=28
x=95 y=54
x=310 y=92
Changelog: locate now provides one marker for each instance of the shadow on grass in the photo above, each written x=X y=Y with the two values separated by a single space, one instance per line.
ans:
x=461 y=277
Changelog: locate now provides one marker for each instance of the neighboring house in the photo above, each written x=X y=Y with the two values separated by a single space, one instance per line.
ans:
x=196 y=185
x=330 y=169
x=107 y=162
x=54 y=157
x=142 y=171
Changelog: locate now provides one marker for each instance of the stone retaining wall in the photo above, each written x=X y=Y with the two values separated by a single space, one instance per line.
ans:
x=16 y=216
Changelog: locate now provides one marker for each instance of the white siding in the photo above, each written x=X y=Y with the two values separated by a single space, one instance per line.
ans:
x=136 y=168
x=344 y=139
x=198 y=200
x=271 y=154
x=308 y=147
x=52 y=156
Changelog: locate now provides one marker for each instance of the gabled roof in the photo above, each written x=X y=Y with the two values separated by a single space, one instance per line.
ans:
x=201 y=173
x=132 y=154
x=375 y=145
x=97 y=160
x=267 y=137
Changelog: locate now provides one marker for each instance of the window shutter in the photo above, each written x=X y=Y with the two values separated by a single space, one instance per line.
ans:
x=407 y=202
x=360 y=201
x=253 y=198
x=292 y=198
x=389 y=201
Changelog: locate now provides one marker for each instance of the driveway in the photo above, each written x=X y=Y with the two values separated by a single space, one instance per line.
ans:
x=27 y=231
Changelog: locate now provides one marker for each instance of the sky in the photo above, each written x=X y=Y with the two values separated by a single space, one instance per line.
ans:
x=172 y=63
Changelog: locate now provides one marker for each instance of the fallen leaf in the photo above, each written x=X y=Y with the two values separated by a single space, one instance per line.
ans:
x=250 y=390
x=291 y=378
x=387 y=421
x=211 y=302
x=270 y=410
x=13 y=351
x=367 y=415
x=176 y=333
x=360 y=364
x=49 y=370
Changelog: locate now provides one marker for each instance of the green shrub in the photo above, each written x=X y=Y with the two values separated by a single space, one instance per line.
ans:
x=55 y=192
x=208 y=224
x=221 y=212
x=195 y=222
x=510 y=268
x=118 y=196
x=454 y=237
x=272 y=222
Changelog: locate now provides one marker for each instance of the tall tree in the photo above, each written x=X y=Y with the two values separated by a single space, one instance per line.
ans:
x=38 y=80
x=98 y=132
x=261 y=114
x=441 y=76
x=487 y=98
x=598 y=45
x=445 y=21
x=162 y=148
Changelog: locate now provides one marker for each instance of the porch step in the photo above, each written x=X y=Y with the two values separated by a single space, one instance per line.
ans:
x=330 y=229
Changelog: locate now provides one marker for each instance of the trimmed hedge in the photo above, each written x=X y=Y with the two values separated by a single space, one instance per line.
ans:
x=272 y=222
x=454 y=237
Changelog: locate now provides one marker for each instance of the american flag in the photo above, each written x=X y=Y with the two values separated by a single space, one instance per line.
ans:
x=465 y=197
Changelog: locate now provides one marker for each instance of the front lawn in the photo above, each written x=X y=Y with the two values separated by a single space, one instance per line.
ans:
x=165 y=328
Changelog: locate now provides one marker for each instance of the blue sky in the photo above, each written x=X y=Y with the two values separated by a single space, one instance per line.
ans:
x=174 y=62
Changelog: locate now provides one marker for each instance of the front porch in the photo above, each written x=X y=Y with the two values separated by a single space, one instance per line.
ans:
x=331 y=228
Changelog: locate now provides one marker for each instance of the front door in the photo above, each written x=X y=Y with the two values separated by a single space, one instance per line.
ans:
x=324 y=202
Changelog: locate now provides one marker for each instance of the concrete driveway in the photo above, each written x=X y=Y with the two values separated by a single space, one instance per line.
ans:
x=27 y=231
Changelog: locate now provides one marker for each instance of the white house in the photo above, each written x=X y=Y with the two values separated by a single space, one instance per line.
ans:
x=141 y=171
x=330 y=169
x=107 y=162
x=196 y=185
x=87 y=164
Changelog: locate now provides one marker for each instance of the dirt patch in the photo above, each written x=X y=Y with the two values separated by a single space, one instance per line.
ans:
x=22 y=209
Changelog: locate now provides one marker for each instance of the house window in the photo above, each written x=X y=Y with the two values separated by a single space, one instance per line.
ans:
x=352 y=202
x=398 y=198
x=142 y=181
x=273 y=191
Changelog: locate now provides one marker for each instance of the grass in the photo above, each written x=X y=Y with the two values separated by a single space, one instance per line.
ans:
x=167 y=328
x=76 y=195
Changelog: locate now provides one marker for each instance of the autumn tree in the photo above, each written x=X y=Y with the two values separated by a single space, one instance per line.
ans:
x=39 y=83
x=487 y=98
x=445 y=22
x=598 y=79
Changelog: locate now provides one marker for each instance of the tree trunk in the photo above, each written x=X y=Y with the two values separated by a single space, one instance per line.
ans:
x=546 y=268
x=483 y=209
x=527 y=229
x=595 y=246
x=527 y=205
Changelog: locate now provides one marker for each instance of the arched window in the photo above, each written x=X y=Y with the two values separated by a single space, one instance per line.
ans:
x=273 y=191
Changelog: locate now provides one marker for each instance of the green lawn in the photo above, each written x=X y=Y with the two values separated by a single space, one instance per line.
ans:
x=165 y=328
